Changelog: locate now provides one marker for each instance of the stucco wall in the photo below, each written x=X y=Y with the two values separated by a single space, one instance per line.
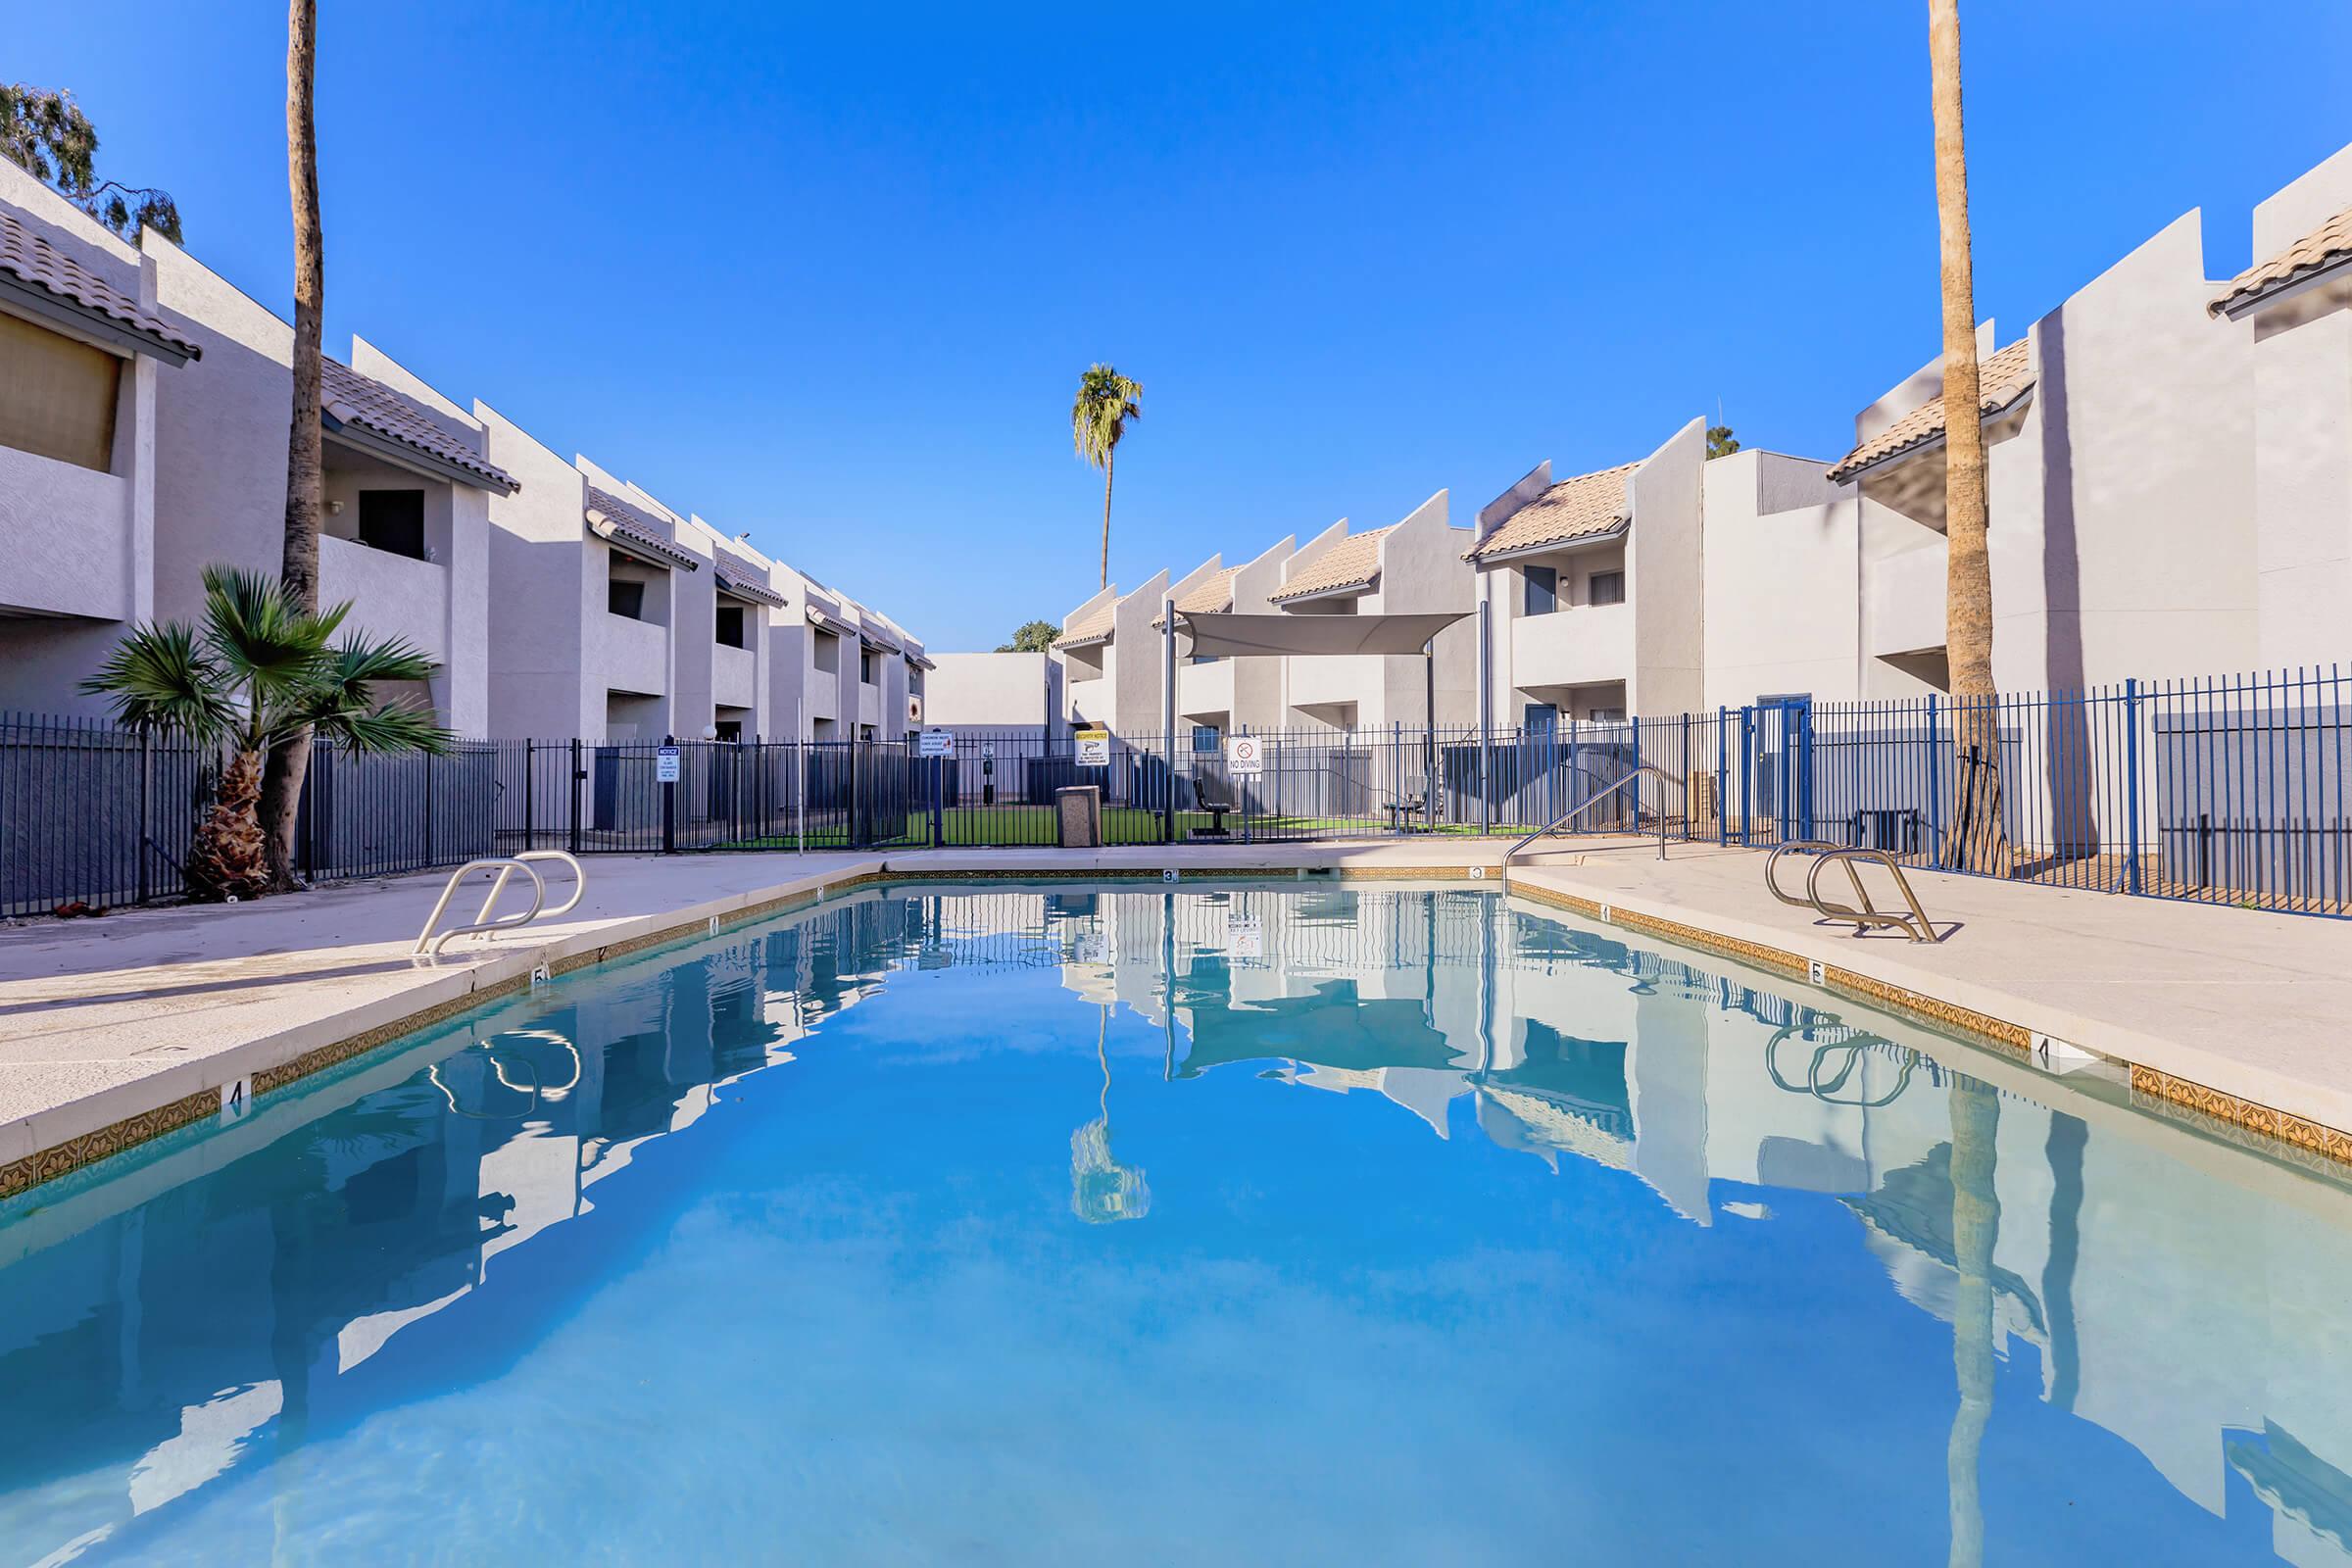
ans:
x=1780 y=561
x=548 y=576
x=989 y=691
x=1664 y=579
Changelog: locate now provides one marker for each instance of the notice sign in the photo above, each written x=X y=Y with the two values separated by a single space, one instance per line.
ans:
x=1093 y=747
x=936 y=743
x=1245 y=756
x=665 y=764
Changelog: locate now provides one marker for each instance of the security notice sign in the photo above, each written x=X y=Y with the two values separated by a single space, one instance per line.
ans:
x=1093 y=747
x=936 y=743
x=1245 y=756
x=665 y=766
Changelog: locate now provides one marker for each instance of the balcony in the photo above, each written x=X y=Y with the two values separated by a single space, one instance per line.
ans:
x=1202 y=688
x=1903 y=601
x=634 y=655
x=391 y=595
x=734 y=678
x=1584 y=646
x=1358 y=678
x=78 y=522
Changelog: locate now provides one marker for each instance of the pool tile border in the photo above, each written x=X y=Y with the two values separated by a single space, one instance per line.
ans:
x=2248 y=1123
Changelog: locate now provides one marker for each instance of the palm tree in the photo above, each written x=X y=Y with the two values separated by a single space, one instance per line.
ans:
x=1977 y=840
x=1107 y=402
x=306 y=458
x=261 y=668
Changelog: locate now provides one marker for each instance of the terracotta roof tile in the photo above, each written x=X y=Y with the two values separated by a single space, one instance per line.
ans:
x=1092 y=627
x=2324 y=246
x=638 y=526
x=1583 y=508
x=2000 y=381
x=349 y=398
x=31 y=259
x=1213 y=596
x=1352 y=563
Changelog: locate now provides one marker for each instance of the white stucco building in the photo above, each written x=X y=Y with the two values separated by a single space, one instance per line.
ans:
x=1593 y=587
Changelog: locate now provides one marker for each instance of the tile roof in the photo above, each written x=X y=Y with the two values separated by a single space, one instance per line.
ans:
x=1213 y=596
x=32 y=259
x=1092 y=627
x=349 y=398
x=2324 y=246
x=2000 y=381
x=638 y=526
x=1352 y=563
x=746 y=585
x=1583 y=508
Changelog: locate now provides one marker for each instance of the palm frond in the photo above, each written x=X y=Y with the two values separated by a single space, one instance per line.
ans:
x=261 y=635
x=385 y=727
x=1106 y=404
x=163 y=679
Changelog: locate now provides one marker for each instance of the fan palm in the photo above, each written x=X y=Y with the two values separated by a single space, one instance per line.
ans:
x=260 y=670
x=1108 y=403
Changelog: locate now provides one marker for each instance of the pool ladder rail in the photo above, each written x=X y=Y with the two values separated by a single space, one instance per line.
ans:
x=1911 y=919
x=1641 y=771
x=430 y=942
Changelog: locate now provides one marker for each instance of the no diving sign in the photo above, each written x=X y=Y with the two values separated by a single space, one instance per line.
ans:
x=1245 y=755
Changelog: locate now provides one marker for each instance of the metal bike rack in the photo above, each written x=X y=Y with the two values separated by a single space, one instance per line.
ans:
x=429 y=944
x=1864 y=912
x=1590 y=800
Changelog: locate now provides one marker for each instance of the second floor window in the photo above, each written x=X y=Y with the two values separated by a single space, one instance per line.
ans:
x=1542 y=590
x=625 y=596
x=393 y=522
x=730 y=625
x=1605 y=588
x=865 y=666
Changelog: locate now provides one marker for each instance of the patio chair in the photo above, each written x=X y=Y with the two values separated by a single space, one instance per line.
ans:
x=1402 y=808
x=1215 y=796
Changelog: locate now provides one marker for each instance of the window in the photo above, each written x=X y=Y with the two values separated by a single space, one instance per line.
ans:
x=1542 y=718
x=865 y=666
x=625 y=596
x=1605 y=588
x=1204 y=659
x=1607 y=715
x=1208 y=738
x=1542 y=590
x=828 y=653
x=729 y=729
x=393 y=522
x=730 y=625
x=58 y=397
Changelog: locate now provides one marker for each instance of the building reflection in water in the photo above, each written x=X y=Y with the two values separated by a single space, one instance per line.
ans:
x=2198 y=1328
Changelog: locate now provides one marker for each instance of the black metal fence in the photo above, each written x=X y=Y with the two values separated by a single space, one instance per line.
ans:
x=2219 y=790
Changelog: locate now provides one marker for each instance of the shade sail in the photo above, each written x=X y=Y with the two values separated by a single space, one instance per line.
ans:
x=1231 y=636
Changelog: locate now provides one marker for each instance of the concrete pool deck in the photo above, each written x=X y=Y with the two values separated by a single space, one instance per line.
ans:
x=115 y=1030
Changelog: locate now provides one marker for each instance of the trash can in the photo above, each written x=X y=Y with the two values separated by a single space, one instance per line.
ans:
x=1078 y=809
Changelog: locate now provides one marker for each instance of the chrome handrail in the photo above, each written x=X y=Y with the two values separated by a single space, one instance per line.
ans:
x=429 y=944
x=1912 y=920
x=1590 y=800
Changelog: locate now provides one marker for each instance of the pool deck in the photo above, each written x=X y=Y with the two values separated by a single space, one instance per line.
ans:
x=116 y=1029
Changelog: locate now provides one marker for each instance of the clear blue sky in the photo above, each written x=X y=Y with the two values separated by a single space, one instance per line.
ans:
x=829 y=274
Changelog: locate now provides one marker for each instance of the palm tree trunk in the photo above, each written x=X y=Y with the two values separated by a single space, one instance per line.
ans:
x=1977 y=840
x=228 y=858
x=282 y=788
x=1109 y=460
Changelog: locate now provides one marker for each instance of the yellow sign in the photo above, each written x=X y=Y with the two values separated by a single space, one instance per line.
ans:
x=1093 y=747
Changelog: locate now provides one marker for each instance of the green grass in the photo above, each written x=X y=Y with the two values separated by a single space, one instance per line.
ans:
x=978 y=826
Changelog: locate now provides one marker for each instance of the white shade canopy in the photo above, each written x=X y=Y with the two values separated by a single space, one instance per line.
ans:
x=1230 y=636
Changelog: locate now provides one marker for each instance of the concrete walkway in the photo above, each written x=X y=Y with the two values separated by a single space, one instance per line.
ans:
x=103 y=1022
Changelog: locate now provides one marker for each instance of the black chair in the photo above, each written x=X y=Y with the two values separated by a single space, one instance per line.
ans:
x=1403 y=808
x=1215 y=796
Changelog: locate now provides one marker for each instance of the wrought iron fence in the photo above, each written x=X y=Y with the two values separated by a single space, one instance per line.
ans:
x=2218 y=790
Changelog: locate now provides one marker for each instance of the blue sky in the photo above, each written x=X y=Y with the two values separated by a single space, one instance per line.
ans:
x=829 y=274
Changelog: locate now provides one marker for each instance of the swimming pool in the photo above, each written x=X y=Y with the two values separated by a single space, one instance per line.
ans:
x=1108 y=1224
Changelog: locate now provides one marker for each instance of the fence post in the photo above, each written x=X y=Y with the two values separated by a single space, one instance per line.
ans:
x=530 y=796
x=146 y=768
x=428 y=808
x=579 y=775
x=856 y=745
x=2132 y=780
x=1935 y=785
x=669 y=808
x=1723 y=774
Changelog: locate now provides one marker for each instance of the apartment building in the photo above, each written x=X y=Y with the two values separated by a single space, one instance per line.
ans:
x=1217 y=697
x=1111 y=659
x=84 y=344
x=1592 y=587
x=1414 y=567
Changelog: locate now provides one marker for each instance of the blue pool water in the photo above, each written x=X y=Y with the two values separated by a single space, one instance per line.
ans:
x=1418 y=1228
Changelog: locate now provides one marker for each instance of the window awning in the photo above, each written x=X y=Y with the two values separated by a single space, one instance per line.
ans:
x=1231 y=636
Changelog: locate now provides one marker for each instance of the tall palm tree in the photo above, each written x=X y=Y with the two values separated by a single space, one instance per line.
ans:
x=1108 y=403
x=1977 y=839
x=305 y=461
x=259 y=668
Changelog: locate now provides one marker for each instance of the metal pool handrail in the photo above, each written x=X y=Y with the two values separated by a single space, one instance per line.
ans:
x=429 y=945
x=1590 y=800
x=1912 y=920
